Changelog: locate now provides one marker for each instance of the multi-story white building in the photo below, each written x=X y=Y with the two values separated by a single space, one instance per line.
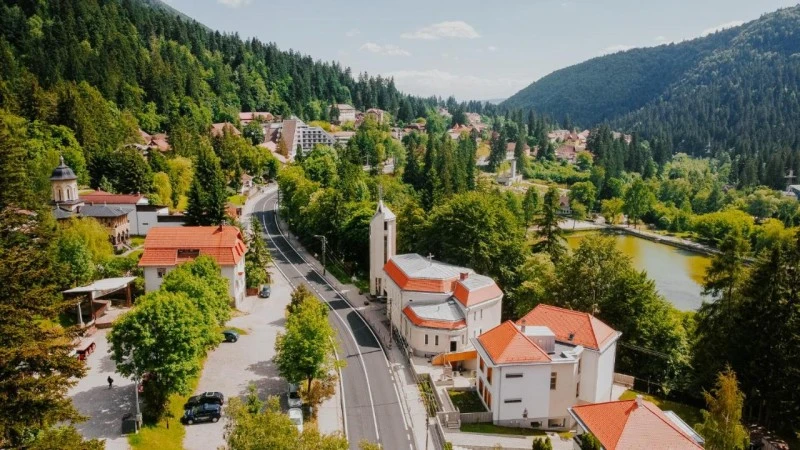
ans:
x=530 y=373
x=296 y=133
x=167 y=247
x=436 y=307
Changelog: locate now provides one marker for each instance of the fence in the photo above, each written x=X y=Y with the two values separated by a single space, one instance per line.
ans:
x=624 y=380
x=476 y=417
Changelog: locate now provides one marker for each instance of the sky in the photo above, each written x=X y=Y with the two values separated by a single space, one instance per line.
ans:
x=474 y=50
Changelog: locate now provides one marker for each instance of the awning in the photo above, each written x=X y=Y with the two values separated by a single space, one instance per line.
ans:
x=446 y=358
x=102 y=287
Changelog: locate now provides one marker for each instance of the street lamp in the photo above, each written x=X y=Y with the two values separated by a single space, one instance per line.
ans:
x=324 y=245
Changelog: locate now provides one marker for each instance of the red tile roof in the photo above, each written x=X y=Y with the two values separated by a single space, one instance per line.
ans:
x=477 y=295
x=161 y=246
x=407 y=283
x=585 y=329
x=99 y=196
x=624 y=425
x=506 y=344
x=429 y=323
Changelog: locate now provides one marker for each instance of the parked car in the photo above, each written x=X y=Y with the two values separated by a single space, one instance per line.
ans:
x=265 y=291
x=230 y=335
x=206 y=398
x=296 y=416
x=202 y=413
x=294 y=396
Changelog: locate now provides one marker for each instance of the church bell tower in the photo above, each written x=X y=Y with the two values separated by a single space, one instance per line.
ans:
x=382 y=246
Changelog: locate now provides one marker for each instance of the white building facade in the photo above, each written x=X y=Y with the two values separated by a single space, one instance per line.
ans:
x=530 y=373
x=167 y=247
x=435 y=307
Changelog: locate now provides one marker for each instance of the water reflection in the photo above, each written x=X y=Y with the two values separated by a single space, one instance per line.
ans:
x=678 y=274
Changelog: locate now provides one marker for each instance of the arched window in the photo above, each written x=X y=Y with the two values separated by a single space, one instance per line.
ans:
x=69 y=194
x=59 y=195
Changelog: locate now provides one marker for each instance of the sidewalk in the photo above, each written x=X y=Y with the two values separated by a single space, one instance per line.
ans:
x=330 y=414
x=374 y=315
x=488 y=441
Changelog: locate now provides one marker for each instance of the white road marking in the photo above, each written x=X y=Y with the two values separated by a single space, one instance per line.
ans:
x=403 y=410
x=336 y=313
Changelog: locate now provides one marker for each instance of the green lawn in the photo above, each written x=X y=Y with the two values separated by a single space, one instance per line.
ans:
x=137 y=241
x=689 y=414
x=466 y=401
x=237 y=200
x=161 y=435
x=488 y=428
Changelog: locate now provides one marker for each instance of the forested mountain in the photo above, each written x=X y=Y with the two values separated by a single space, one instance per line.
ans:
x=608 y=86
x=733 y=92
x=153 y=63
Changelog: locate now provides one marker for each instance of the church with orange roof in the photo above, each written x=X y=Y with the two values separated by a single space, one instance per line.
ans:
x=530 y=373
x=435 y=307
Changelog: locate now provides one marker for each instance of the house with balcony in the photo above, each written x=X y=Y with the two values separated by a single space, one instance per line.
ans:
x=167 y=247
x=531 y=372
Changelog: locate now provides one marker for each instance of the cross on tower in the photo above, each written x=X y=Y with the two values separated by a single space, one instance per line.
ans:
x=430 y=257
x=789 y=177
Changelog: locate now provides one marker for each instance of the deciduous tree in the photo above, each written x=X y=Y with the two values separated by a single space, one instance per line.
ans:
x=722 y=426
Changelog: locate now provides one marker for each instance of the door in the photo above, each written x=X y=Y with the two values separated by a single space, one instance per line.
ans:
x=453 y=345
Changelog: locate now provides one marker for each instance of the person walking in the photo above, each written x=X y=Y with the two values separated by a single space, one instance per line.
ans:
x=110 y=382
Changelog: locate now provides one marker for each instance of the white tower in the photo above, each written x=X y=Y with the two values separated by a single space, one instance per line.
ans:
x=382 y=246
x=64 y=186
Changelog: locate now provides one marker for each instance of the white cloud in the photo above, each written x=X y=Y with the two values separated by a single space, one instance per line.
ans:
x=438 y=82
x=388 y=49
x=450 y=29
x=353 y=32
x=615 y=48
x=234 y=3
x=731 y=24
x=491 y=48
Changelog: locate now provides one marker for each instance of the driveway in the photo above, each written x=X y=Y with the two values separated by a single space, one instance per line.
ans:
x=231 y=367
x=104 y=407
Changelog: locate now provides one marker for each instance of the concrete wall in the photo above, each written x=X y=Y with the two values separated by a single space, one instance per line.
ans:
x=151 y=279
x=605 y=374
x=415 y=336
x=563 y=396
x=380 y=230
x=483 y=317
x=589 y=362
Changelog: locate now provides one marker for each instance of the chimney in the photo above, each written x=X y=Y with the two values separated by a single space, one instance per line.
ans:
x=464 y=275
x=522 y=326
x=638 y=401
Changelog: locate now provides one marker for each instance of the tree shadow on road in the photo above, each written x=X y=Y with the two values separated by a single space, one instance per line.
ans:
x=270 y=382
x=104 y=408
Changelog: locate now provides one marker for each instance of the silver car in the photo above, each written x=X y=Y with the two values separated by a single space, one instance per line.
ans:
x=296 y=416
x=293 y=395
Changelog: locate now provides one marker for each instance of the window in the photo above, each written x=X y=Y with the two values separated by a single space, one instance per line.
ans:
x=553 y=380
x=578 y=389
x=161 y=271
x=489 y=375
x=480 y=363
x=513 y=375
x=426 y=339
x=512 y=400
x=481 y=314
x=555 y=423
x=436 y=340
x=475 y=315
x=579 y=365
x=186 y=253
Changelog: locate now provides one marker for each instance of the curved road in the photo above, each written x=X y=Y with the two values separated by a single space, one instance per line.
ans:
x=371 y=399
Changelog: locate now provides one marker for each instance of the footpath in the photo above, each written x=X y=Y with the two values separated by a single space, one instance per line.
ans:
x=375 y=315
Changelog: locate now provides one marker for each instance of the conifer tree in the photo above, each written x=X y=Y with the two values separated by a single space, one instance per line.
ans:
x=207 y=192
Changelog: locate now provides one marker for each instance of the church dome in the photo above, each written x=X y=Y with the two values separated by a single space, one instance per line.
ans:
x=63 y=172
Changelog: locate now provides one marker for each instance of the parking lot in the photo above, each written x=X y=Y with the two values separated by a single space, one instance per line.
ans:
x=231 y=367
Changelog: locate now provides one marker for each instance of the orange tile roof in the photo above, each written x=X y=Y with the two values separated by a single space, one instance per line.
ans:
x=623 y=425
x=506 y=344
x=429 y=323
x=475 y=296
x=161 y=246
x=99 y=196
x=586 y=330
x=417 y=284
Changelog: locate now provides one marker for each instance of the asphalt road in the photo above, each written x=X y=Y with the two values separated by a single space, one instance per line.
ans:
x=371 y=399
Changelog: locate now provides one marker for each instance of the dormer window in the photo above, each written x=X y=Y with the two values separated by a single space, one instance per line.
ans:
x=188 y=253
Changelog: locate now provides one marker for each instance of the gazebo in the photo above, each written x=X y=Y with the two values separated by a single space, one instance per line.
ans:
x=100 y=288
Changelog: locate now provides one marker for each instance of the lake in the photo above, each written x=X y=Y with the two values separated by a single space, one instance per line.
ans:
x=677 y=273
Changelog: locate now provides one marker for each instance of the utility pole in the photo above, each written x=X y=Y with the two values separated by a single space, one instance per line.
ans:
x=324 y=246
